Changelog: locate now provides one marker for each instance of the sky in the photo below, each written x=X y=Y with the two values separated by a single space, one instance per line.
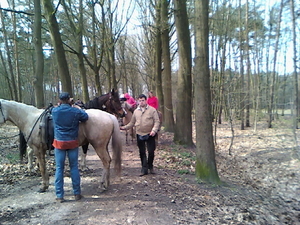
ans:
x=3 y=3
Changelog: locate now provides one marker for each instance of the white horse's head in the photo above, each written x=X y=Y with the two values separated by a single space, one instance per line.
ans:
x=3 y=112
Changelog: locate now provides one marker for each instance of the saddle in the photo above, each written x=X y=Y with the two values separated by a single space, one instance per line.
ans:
x=47 y=128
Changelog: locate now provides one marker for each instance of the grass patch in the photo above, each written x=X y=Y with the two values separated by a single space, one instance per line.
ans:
x=184 y=171
x=186 y=162
x=13 y=158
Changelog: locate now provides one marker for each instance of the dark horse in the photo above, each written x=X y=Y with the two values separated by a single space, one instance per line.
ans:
x=109 y=102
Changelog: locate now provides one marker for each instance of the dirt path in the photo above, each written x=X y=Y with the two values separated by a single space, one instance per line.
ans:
x=261 y=186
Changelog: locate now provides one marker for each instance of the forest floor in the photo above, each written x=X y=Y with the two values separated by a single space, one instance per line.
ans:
x=260 y=184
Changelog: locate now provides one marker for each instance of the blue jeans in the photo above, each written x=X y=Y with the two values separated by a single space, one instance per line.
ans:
x=60 y=157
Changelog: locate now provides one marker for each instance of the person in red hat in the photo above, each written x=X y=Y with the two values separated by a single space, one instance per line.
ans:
x=130 y=100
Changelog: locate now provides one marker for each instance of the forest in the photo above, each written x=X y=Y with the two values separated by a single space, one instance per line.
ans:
x=225 y=74
x=206 y=60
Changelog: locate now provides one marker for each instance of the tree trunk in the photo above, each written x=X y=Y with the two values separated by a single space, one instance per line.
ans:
x=77 y=31
x=96 y=66
x=248 y=67
x=272 y=88
x=183 y=129
x=167 y=110
x=6 y=75
x=296 y=90
x=205 y=164
x=16 y=54
x=242 y=89
x=39 y=56
x=9 y=59
x=158 y=57
x=84 y=84
x=284 y=84
x=62 y=63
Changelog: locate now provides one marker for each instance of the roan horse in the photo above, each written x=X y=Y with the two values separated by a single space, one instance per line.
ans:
x=98 y=130
x=110 y=103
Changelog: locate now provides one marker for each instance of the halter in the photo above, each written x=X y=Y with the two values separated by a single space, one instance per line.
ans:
x=113 y=108
x=2 y=112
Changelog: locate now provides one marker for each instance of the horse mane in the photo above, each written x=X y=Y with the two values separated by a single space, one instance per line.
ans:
x=97 y=102
x=92 y=104
x=23 y=106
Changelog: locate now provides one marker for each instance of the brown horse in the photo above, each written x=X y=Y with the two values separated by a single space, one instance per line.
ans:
x=109 y=102
x=126 y=119
x=100 y=128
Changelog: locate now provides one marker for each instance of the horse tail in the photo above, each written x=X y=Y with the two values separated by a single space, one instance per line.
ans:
x=117 y=146
x=22 y=146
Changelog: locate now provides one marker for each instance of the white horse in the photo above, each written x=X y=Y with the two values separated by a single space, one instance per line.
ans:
x=98 y=130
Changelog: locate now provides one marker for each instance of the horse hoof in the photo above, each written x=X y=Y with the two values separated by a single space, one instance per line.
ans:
x=102 y=187
x=42 y=190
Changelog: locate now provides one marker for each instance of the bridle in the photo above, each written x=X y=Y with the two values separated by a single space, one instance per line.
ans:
x=111 y=106
x=2 y=112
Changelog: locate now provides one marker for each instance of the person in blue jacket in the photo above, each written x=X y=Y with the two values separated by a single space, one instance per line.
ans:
x=66 y=121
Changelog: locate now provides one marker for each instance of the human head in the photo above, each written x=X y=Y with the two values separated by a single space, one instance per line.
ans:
x=127 y=96
x=150 y=93
x=64 y=97
x=142 y=100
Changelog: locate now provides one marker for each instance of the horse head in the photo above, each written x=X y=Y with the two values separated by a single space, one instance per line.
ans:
x=114 y=105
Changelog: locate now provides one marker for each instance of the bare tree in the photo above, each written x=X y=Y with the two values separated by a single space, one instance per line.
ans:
x=183 y=127
x=77 y=33
x=158 y=55
x=8 y=51
x=296 y=91
x=272 y=88
x=63 y=68
x=39 y=56
x=242 y=91
x=167 y=106
x=205 y=165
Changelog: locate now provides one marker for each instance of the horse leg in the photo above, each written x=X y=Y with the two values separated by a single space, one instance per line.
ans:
x=103 y=154
x=22 y=146
x=126 y=137
x=132 y=134
x=30 y=159
x=40 y=154
x=83 y=156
